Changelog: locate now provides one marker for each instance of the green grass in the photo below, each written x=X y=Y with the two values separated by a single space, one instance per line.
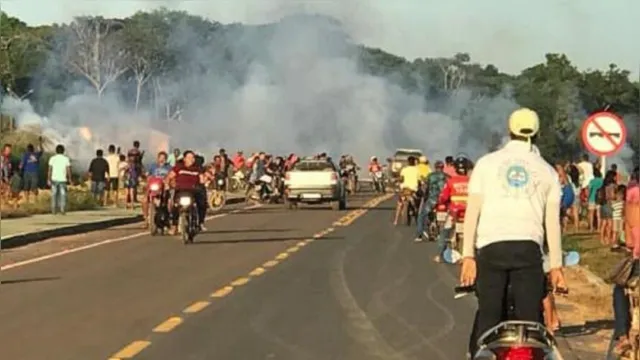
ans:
x=594 y=256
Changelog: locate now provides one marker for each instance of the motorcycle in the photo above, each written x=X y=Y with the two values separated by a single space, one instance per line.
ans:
x=267 y=190
x=188 y=222
x=217 y=197
x=379 y=182
x=351 y=178
x=439 y=214
x=515 y=339
x=158 y=216
x=237 y=182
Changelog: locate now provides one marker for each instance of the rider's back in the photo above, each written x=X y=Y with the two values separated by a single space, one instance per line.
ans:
x=515 y=184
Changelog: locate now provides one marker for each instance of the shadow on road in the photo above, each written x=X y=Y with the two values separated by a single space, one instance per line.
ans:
x=239 y=241
x=588 y=328
x=245 y=230
x=19 y=281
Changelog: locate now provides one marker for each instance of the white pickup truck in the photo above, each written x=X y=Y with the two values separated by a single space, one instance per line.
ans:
x=313 y=181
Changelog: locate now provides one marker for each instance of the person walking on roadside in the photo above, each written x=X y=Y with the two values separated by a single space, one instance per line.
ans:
x=136 y=155
x=30 y=169
x=59 y=176
x=99 y=173
x=113 y=159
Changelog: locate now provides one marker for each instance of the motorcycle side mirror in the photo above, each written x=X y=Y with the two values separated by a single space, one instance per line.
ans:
x=450 y=256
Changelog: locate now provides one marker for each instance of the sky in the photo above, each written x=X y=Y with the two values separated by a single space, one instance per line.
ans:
x=512 y=34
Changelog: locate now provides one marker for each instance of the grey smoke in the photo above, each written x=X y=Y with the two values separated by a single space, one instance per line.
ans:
x=303 y=92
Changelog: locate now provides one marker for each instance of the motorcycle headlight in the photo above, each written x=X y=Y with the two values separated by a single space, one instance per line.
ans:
x=185 y=201
x=220 y=182
x=154 y=187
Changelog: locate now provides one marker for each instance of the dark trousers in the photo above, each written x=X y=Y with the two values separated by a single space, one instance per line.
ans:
x=515 y=263
x=621 y=312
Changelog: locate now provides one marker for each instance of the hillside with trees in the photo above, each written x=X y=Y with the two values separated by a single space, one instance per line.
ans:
x=138 y=57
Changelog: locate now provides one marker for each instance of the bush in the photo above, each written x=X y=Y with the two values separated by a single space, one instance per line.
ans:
x=78 y=199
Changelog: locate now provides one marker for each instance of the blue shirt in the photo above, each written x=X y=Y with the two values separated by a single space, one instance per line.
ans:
x=31 y=162
x=158 y=170
x=568 y=196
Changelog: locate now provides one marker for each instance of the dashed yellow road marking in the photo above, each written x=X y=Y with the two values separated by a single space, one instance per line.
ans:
x=132 y=349
x=257 y=271
x=301 y=243
x=308 y=241
x=271 y=263
x=222 y=292
x=293 y=249
x=196 y=307
x=168 y=325
x=282 y=256
x=240 y=281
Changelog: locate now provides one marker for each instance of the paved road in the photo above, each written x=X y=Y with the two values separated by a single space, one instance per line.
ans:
x=255 y=286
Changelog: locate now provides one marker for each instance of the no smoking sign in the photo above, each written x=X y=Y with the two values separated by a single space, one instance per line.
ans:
x=604 y=133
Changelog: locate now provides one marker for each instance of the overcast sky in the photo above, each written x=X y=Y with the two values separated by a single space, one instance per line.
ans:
x=513 y=34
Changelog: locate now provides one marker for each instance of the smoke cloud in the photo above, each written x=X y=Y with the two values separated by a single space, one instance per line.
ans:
x=295 y=86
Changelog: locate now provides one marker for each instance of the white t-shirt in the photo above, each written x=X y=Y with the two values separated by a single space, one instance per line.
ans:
x=586 y=169
x=58 y=164
x=515 y=184
x=411 y=177
x=113 y=160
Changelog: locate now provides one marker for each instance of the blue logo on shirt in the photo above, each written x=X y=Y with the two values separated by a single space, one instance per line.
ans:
x=517 y=176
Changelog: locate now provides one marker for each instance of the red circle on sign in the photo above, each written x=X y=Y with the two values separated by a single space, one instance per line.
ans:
x=617 y=145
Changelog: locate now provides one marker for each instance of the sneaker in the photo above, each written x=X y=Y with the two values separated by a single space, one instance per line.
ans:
x=418 y=239
x=425 y=235
x=202 y=228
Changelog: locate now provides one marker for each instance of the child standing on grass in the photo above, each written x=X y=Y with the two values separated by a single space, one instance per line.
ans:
x=618 y=216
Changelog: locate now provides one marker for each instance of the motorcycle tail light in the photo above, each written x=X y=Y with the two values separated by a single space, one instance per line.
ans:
x=516 y=353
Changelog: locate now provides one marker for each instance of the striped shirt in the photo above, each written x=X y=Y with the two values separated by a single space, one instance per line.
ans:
x=617 y=209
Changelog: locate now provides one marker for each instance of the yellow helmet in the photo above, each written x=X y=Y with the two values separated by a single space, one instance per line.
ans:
x=423 y=159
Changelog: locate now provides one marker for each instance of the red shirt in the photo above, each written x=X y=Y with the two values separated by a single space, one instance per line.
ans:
x=455 y=191
x=238 y=162
x=187 y=177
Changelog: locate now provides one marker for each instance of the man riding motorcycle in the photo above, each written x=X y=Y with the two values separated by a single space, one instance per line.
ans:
x=514 y=201
x=433 y=185
x=423 y=168
x=454 y=194
x=449 y=167
x=188 y=177
x=158 y=170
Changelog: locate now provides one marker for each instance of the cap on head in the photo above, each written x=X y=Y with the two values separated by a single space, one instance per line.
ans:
x=524 y=122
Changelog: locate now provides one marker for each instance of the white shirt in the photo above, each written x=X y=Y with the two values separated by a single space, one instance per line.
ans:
x=58 y=164
x=113 y=160
x=515 y=184
x=586 y=168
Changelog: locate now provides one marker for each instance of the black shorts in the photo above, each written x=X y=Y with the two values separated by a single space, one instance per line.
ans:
x=112 y=184
x=30 y=181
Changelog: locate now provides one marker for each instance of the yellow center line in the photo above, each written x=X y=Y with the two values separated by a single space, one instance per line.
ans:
x=132 y=349
x=222 y=292
x=301 y=243
x=270 y=263
x=282 y=256
x=293 y=249
x=308 y=241
x=257 y=271
x=240 y=281
x=196 y=307
x=168 y=325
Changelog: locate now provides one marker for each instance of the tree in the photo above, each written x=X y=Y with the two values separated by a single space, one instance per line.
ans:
x=94 y=49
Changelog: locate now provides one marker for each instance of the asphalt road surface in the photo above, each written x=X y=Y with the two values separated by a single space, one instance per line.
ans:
x=265 y=283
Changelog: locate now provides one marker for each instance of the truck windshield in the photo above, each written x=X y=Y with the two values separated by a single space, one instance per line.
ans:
x=313 y=166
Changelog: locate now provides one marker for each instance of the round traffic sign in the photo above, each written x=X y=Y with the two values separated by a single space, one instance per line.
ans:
x=604 y=133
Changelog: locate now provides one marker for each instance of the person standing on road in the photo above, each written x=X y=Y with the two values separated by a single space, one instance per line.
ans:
x=59 y=176
x=113 y=159
x=174 y=157
x=99 y=173
x=514 y=196
x=30 y=168
x=136 y=155
x=433 y=184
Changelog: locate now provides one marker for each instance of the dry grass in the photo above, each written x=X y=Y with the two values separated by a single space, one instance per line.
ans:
x=78 y=199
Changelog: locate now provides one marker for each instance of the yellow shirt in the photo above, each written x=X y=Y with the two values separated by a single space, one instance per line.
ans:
x=410 y=178
x=424 y=170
